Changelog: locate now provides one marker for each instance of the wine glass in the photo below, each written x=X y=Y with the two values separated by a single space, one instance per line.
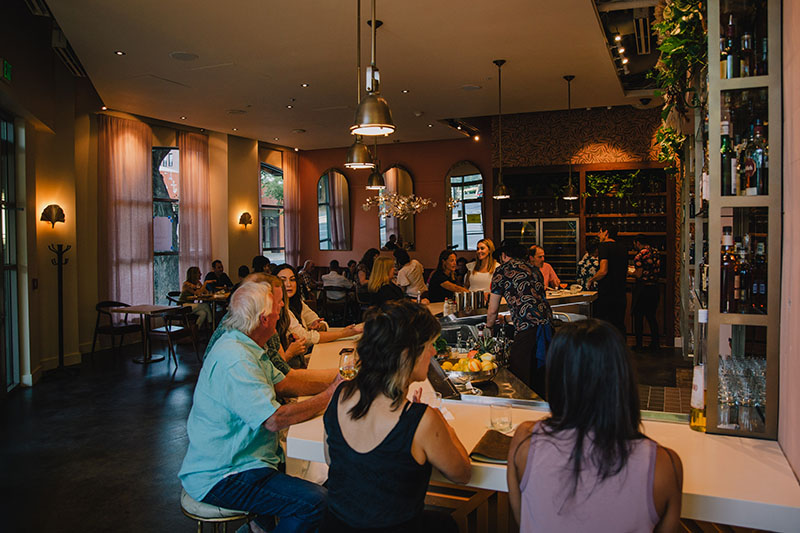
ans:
x=348 y=364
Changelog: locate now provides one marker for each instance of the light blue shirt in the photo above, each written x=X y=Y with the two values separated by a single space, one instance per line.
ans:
x=234 y=395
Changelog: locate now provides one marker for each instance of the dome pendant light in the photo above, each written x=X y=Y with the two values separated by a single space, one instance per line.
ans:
x=501 y=192
x=373 y=116
x=571 y=192
x=375 y=182
x=358 y=156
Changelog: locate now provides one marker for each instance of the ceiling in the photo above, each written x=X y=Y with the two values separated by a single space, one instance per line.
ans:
x=253 y=56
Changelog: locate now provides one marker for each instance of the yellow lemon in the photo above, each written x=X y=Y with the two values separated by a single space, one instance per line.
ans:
x=486 y=366
x=487 y=357
x=447 y=365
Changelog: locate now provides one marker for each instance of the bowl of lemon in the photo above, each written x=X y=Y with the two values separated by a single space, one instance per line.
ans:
x=471 y=366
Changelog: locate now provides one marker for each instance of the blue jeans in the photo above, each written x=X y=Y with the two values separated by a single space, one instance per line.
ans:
x=299 y=504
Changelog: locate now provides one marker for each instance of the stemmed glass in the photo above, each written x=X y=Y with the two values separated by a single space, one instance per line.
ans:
x=348 y=364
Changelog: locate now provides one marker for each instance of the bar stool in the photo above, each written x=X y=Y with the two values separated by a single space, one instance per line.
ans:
x=207 y=513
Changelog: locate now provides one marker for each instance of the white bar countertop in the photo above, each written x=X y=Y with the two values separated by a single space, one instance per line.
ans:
x=728 y=480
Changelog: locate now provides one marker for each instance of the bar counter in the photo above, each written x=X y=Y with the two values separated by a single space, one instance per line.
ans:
x=727 y=480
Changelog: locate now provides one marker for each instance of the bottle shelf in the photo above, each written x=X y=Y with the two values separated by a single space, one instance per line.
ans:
x=750 y=82
x=745 y=201
x=744 y=319
x=634 y=233
x=625 y=215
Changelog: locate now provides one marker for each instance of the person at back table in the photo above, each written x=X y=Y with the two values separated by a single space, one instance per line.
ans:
x=335 y=279
x=443 y=282
x=536 y=257
x=381 y=447
x=382 y=287
x=588 y=467
x=411 y=276
x=480 y=271
x=191 y=289
x=218 y=278
x=611 y=278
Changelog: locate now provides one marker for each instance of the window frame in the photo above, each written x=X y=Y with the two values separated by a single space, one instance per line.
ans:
x=461 y=186
x=262 y=207
x=171 y=201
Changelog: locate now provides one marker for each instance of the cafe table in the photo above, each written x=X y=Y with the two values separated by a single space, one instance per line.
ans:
x=214 y=299
x=727 y=480
x=145 y=312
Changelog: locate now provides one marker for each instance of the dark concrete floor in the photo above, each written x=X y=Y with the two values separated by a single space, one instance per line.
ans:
x=100 y=450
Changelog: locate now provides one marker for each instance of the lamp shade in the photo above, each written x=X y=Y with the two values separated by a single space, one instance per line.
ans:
x=358 y=156
x=375 y=181
x=245 y=219
x=373 y=117
x=570 y=193
x=501 y=192
x=52 y=213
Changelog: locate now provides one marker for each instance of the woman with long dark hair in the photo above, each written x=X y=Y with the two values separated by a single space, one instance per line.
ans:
x=443 y=282
x=588 y=467
x=364 y=268
x=380 y=446
x=304 y=322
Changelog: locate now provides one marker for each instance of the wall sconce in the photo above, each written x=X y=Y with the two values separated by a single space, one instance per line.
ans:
x=52 y=214
x=245 y=219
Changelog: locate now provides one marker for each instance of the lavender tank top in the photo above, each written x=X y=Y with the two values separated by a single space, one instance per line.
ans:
x=620 y=504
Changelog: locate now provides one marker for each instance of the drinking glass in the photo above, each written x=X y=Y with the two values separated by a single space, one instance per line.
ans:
x=348 y=364
x=500 y=417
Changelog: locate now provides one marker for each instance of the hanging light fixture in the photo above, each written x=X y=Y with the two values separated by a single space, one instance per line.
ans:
x=373 y=116
x=375 y=181
x=501 y=192
x=571 y=193
x=358 y=156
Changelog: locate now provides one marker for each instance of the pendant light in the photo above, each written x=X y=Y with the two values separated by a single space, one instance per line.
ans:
x=375 y=182
x=373 y=116
x=571 y=192
x=358 y=156
x=501 y=192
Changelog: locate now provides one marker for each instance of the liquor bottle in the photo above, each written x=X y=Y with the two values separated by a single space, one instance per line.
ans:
x=746 y=58
x=762 y=58
x=758 y=292
x=732 y=49
x=756 y=162
x=728 y=265
x=728 y=160
x=736 y=170
x=742 y=282
x=723 y=59
x=703 y=267
x=697 y=416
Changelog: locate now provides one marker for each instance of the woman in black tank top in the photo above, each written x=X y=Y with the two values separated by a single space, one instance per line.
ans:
x=377 y=442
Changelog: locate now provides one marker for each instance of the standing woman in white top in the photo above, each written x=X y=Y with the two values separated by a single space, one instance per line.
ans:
x=480 y=271
x=304 y=323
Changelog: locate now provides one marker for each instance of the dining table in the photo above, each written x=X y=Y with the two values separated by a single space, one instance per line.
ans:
x=213 y=300
x=146 y=312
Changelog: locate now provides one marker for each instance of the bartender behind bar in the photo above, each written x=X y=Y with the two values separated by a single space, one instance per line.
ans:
x=522 y=285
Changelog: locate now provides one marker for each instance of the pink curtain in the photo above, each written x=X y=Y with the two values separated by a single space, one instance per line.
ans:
x=392 y=224
x=195 y=224
x=339 y=224
x=291 y=206
x=126 y=210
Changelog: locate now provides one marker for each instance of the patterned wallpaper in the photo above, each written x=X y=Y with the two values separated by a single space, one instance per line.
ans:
x=619 y=134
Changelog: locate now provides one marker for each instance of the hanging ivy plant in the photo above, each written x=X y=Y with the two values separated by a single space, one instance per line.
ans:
x=680 y=72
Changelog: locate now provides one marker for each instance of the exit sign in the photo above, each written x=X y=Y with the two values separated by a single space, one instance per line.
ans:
x=6 y=71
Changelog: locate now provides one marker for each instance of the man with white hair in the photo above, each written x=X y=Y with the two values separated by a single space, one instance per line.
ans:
x=234 y=459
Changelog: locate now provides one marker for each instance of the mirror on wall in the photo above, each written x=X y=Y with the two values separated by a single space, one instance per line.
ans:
x=465 y=220
x=398 y=180
x=333 y=207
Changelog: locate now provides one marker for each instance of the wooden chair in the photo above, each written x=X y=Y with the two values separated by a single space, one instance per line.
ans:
x=337 y=312
x=173 y=296
x=177 y=326
x=104 y=325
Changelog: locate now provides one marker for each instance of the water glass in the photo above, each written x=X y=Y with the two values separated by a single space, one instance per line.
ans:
x=348 y=364
x=500 y=417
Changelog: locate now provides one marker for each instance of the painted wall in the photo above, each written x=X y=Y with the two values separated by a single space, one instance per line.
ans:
x=789 y=414
x=428 y=164
x=218 y=198
x=243 y=169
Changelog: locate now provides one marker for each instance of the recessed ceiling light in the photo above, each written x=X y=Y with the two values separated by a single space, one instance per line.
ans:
x=276 y=138
x=289 y=106
x=624 y=60
x=471 y=87
x=297 y=149
x=202 y=129
x=119 y=52
x=303 y=85
x=621 y=49
x=405 y=91
x=183 y=118
x=476 y=138
x=430 y=125
x=104 y=108
x=298 y=130
x=618 y=37
x=235 y=129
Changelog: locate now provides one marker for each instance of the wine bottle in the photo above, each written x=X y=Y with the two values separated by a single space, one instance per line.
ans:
x=728 y=159
x=697 y=416
x=742 y=282
x=747 y=58
x=732 y=49
x=756 y=162
x=758 y=293
x=723 y=59
x=728 y=265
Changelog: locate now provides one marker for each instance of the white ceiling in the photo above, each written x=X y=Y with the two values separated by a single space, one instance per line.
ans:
x=255 y=54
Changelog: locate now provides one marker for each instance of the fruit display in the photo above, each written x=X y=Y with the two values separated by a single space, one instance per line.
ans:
x=471 y=366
